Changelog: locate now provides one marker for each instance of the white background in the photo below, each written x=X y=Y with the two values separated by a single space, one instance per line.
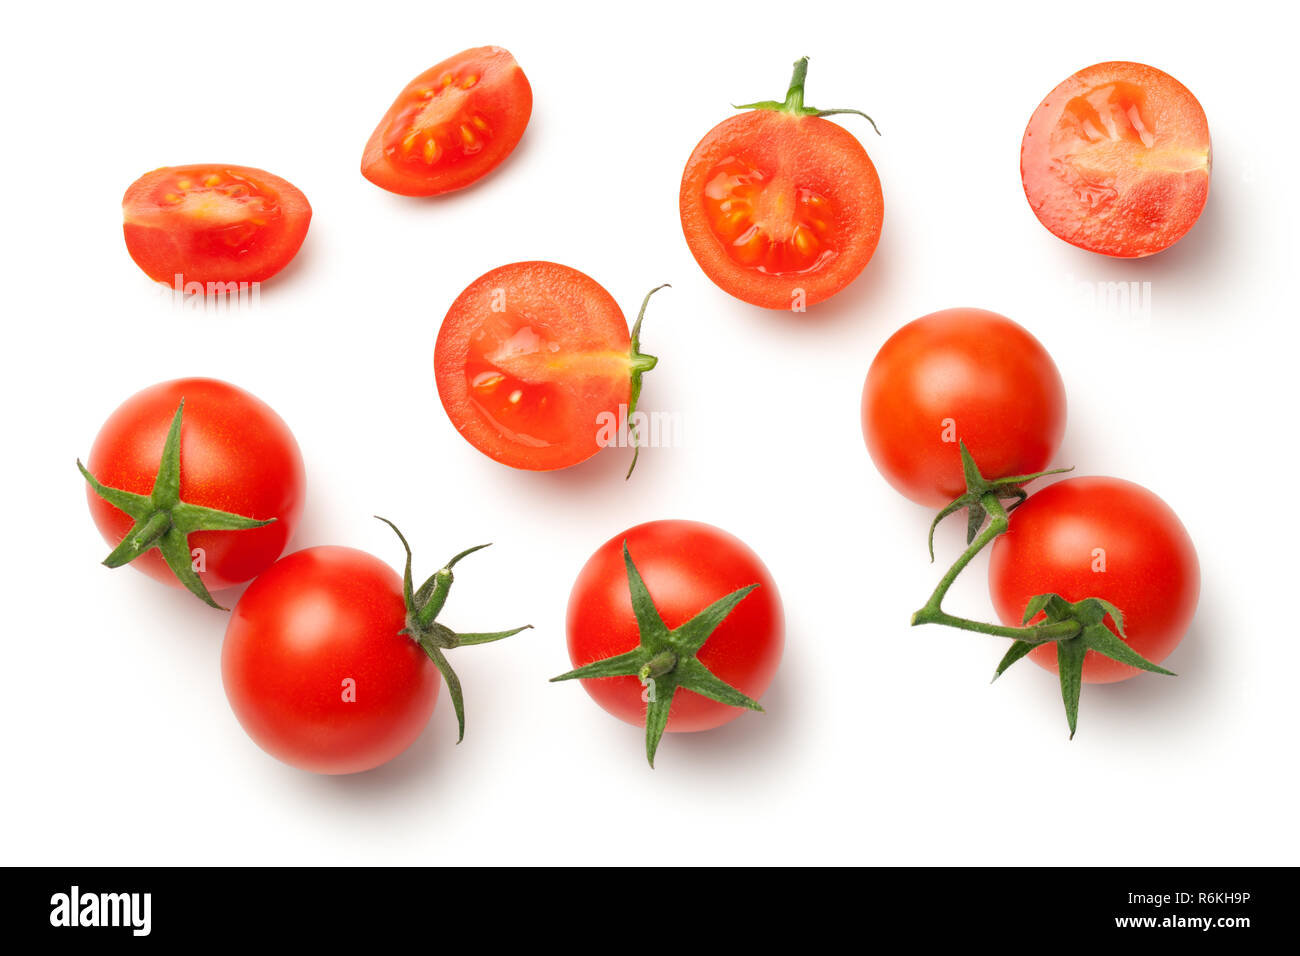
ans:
x=880 y=744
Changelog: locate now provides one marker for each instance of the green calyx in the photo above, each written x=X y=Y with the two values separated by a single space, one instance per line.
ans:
x=423 y=605
x=1088 y=618
x=977 y=488
x=165 y=522
x=793 y=102
x=640 y=363
x=1075 y=628
x=665 y=661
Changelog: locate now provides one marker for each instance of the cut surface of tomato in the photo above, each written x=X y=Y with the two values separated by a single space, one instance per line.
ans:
x=1116 y=160
x=213 y=223
x=780 y=207
x=528 y=359
x=451 y=125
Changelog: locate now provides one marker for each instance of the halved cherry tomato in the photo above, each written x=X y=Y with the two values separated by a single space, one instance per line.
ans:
x=1116 y=160
x=451 y=126
x=1104 y=538
x=213 y=223
x=780 y=207
x=529 y=359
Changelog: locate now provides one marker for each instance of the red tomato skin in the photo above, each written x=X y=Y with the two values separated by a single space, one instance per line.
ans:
x=317 y=618
x=1127 y=197
x=819 y=155
x=687 y=565
x=978 y=368
x=505 y=94
x=165 y=245
x=1151 y=570
x=572 y=310
x=237 y=455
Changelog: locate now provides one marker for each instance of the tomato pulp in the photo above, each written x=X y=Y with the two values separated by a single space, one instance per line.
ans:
x=1116 y=160
x=451 y=125
x=1103 y=538
x=213 y=223
x=530 y=360
x=780 y=207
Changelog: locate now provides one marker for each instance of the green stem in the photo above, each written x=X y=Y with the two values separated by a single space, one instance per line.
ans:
x=794 y=95
x=933 y=613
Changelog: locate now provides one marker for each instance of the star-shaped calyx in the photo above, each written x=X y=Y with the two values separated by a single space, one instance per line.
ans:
x=165 y=522
x=665 y=661
x=423 y=605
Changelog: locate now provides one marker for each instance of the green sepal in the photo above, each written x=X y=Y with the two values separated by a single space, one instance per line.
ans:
x=163 y=521
x=422 y=608
x=665 y=660
x=793 y=102
x=640 y=363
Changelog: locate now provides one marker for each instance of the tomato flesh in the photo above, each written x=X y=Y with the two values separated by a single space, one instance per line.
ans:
x=451 y=125
x=213 y=224
x=1116 y=160
x=780 y=210
x=1104 y=538
x=960 y=375
x=528 y=358
x=686 y=565
x=315 y=669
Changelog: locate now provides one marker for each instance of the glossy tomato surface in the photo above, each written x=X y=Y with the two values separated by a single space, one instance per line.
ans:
x=451 y=125
x=686 y=566
x=314 y=666
x=780 y=209
x=1104 y=538
x=527 y=360
x=960 y=375
x=213 y=222
x=237 y=455
x=1116 y=160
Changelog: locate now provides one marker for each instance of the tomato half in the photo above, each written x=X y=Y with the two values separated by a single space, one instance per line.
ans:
x=1116 y=160
x=960 y=375
x=1104 y=538
x=213 y=223
x=451 y=125
x=779 y=206
x=315 y=669
x=686 y=566
x=236 y=455
x=530 y=359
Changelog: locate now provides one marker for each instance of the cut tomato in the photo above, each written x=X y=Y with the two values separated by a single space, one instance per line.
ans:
x=780 y=207
x=530 y=359
x=451 y=125
x=213 y=223
x=1116 y=160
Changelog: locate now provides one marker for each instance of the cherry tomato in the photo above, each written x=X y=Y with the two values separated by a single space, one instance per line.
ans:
x=1116 y=160
x=236 y=456
x=213 y=223
x=686 y=567
x=960 y=375
x=780 y=207
x=1103 y=538
x=451 y=126
x=314 y=666
x=530 y=359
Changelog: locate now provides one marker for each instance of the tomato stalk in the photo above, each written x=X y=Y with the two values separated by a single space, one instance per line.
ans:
x=639 y=363
x=1075 y=628
x=164 y=521
x=793 y=102
x=666 y=661
x=423 y=605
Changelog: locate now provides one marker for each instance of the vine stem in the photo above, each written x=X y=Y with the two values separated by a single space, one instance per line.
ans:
x=933 y=613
